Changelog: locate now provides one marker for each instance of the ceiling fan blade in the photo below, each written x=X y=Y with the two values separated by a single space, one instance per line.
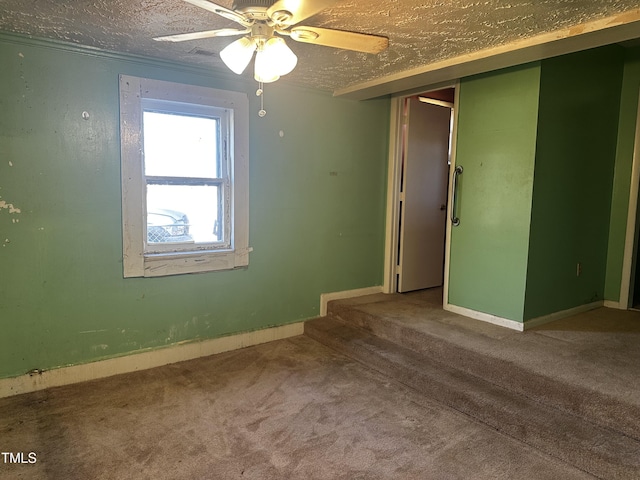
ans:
x=290 y=12
x=181 y=37
x=222 y=11
x=360 y=42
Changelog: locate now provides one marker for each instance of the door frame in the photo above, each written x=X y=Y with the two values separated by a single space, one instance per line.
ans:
x=392 y=234
x=630 y=242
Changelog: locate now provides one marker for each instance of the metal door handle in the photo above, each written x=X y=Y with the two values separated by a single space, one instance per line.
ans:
x=455 y=221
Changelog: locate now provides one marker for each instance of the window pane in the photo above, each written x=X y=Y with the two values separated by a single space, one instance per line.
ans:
x=183 y=214
x=180 y=145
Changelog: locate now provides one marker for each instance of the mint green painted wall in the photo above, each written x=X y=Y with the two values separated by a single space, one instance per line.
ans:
x=622 y=173
x=575 y=153
x=496 y=140
x=316 y=212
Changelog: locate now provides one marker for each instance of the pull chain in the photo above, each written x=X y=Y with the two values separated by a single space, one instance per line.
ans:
x=260 y=93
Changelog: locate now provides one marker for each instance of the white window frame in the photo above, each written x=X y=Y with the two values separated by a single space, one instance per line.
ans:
x=137 y=92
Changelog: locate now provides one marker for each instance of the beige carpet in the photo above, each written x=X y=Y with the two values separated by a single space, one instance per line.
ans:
x=291 y=409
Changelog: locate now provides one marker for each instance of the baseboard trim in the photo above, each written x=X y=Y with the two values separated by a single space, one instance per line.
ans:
x=520 y=326
x=143 y=361
x=485 y=317
x=325 y=298
x=535 y=322
x=612 y=304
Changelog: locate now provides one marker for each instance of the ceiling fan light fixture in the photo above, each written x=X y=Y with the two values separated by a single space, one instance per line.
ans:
x=264 y=70
x=237 y=55
x=278 y=54
x=274 y=59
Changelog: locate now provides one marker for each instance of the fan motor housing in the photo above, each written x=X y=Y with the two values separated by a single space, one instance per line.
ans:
x=256 y=9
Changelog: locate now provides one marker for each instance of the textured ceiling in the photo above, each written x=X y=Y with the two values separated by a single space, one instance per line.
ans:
x=420 y=32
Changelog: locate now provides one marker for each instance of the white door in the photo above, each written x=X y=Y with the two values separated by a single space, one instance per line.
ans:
x=424 y=196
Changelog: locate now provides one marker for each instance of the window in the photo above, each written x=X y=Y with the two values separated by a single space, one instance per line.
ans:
x=184 y=178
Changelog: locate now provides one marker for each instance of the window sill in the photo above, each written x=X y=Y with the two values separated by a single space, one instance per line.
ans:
x=163 y=264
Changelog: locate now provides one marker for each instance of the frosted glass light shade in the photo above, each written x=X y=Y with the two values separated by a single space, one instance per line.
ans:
x=284 y=60
x=237 y=55
x=274 y=59
x=263 y=69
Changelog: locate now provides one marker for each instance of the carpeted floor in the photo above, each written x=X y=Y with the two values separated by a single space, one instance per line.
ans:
x=568 y=388
x=292 y=409
x=597 y=350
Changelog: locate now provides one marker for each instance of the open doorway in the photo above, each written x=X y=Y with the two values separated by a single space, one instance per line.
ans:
x=420 y=159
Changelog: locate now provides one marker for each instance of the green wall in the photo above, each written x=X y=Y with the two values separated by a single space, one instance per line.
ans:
x=538 y=144
x=575 y=152
x=622 y=173
x=496 y=139
x=317 y=209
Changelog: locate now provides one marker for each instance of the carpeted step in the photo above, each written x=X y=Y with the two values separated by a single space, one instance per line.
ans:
x=600 y=451
x=594 y=405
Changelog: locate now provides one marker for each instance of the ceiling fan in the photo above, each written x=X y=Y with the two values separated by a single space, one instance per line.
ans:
x=264 y=23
